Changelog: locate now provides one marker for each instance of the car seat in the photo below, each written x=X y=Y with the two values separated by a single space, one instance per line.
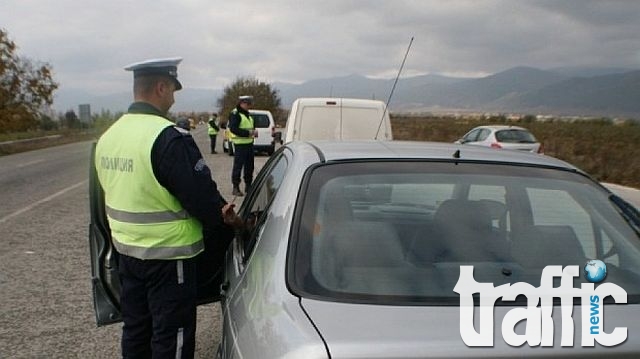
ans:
x=463 y=232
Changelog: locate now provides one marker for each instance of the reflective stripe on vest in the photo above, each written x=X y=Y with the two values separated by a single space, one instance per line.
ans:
x=246 y=123
x=146 y=220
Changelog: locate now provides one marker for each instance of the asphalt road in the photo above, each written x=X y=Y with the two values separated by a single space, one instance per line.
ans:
x=46 y=310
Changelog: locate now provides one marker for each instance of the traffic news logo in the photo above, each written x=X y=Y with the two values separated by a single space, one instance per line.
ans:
x=537 y=314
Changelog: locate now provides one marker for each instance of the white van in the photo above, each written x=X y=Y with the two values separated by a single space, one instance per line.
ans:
x=338 y=119
x=264 y=123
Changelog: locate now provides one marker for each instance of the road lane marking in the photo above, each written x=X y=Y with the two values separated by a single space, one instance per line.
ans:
x=47 y=199
x=29 y=163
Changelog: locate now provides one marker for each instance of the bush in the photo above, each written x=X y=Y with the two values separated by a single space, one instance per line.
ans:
x=47 y=124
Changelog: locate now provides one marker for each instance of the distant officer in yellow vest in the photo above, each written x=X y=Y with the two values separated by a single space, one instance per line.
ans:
x=242 y=127
x=212 y=130
x=159 y=198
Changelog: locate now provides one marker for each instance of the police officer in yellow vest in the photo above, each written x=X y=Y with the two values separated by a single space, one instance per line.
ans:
x=212 y=130
x=159 y=198
x=241 y=125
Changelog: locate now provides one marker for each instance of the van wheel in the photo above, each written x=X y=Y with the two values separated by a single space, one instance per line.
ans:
x=271 y=149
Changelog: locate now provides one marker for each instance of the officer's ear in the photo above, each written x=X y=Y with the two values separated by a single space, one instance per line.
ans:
x=163 y=86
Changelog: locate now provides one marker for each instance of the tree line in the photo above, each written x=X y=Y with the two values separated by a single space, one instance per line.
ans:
x=26 y=88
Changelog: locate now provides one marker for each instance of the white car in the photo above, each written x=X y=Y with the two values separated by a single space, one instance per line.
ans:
x=501 y=136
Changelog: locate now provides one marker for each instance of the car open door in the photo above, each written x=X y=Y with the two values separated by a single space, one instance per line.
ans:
x=105 y=282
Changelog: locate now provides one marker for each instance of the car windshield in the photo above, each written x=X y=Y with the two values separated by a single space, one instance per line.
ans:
x=515 y=136
x=397 y=232
x=260 y=121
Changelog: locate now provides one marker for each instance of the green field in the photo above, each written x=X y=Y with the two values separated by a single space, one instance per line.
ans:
x=607 y=150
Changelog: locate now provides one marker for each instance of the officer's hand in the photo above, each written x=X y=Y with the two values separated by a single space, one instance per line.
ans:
x=229 y=215
x=228 y=212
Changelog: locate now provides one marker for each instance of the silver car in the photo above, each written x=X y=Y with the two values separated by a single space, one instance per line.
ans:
x=502 y=137
x=362 y=250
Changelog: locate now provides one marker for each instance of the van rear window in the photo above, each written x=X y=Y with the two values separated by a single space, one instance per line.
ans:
x=260 y=121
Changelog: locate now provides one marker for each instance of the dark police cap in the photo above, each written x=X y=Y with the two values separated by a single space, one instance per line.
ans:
x=157 y=67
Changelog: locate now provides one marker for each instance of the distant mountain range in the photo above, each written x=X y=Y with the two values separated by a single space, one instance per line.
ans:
x=562 y=91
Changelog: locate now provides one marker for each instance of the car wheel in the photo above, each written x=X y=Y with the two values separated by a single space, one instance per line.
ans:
x=271 y=149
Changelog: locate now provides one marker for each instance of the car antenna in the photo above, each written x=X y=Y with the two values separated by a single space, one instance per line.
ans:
x=394 y=87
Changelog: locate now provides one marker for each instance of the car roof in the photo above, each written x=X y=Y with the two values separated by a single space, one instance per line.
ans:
x=502 y=127
x=264 y=112
x=372 y=149
x=345 y=101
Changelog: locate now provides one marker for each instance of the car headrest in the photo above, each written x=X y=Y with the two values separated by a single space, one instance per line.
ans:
x=470 y=215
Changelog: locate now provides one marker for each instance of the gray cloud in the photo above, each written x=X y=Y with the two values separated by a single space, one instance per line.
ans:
x=89 y=42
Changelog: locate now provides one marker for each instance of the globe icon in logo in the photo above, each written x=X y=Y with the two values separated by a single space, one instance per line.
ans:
x=595 y=270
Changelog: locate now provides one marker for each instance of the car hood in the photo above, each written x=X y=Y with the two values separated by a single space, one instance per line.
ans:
x=382 y=331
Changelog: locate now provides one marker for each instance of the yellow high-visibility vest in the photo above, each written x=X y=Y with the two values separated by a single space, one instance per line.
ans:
x=211 y=130
x=146 y=221
x=246 y=123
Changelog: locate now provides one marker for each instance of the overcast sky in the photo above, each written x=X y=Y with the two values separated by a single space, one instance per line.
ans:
x=89 y=42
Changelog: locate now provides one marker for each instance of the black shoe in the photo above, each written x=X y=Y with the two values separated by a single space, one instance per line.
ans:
x=236 y=192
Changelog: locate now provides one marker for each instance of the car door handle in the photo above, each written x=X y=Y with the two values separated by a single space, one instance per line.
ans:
x=223 y=288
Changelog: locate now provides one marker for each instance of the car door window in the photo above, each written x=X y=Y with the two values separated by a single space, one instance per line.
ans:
x=257 y=208
x=483 y=134
x=471 y=136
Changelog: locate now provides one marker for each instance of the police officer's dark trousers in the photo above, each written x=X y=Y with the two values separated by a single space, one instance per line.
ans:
x=158 y=300
x=212 y=139
x=243 y=158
